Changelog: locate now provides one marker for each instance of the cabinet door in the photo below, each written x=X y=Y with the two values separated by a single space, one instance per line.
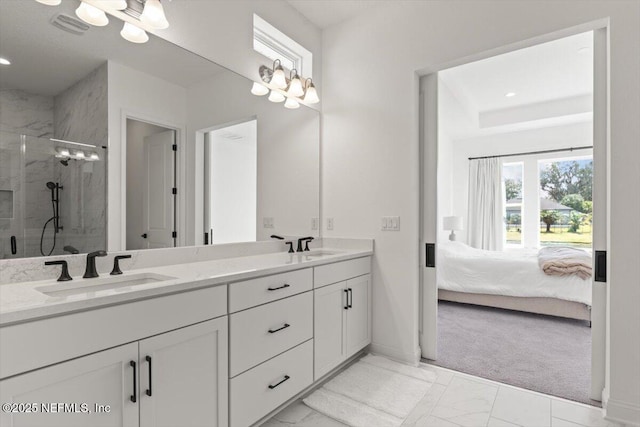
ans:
x=329 y=315
x=104 y=378
x=358 y=327
x=184 y=377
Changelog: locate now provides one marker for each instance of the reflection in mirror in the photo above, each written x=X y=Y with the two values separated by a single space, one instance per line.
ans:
x=158 y=108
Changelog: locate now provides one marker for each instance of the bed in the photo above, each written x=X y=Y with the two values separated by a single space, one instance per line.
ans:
x=511 y=280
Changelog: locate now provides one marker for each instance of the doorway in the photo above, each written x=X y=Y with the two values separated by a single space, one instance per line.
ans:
x=231 y=183
x=151 y=189
x=445 y=194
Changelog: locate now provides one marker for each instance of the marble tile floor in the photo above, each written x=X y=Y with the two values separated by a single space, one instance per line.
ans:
x=458 y=399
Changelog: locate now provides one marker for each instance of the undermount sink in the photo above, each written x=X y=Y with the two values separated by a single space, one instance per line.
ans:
x=321 y=252
x=121 y=283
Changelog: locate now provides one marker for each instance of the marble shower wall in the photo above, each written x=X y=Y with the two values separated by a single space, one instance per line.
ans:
x=80 y=115
x=23 y=113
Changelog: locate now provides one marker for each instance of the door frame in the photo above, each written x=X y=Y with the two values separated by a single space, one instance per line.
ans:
x=179 y=173
x=427 y=328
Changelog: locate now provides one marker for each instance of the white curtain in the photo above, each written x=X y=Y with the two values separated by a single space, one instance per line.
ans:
x=485 y=223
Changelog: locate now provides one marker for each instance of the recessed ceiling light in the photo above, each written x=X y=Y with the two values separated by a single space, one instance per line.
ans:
x=4 y=61
x=510 y=94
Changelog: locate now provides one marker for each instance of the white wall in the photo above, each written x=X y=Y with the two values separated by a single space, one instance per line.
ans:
x=370 y=147
x=147 y=98
x=551 y=138
x=136 y=132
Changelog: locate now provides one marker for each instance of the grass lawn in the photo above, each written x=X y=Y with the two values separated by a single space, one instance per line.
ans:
x=557 y=236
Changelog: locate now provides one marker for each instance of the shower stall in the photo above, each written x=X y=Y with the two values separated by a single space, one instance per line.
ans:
x=52 y=196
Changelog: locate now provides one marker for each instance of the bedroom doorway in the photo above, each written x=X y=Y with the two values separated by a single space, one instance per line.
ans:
x=524 y=139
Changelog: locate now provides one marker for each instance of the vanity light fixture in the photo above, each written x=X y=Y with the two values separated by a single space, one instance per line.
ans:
x=259 y=90
x=276 y=96
x=153 y=15
x=134 y=34
x=79 y=154
x=62 y=152
x=115 y=4
x=50 y=2
x=295 y=90
x=4 y=61
x=92 y=15
x=93 y=157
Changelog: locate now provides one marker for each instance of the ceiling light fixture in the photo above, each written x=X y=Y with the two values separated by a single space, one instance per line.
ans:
x=153 y=15
x=295 y=89
x=134 y=34
x=4 y=61
x=510 y=94
x=50 y=2
x=92 y=15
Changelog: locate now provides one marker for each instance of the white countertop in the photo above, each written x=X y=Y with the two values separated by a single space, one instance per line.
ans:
x=22 y=302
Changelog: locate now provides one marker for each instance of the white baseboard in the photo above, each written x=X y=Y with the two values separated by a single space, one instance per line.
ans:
x=396 y=354
x=622 y=412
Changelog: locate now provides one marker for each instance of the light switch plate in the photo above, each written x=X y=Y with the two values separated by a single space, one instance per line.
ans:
x=267 y=222
x=390 y=223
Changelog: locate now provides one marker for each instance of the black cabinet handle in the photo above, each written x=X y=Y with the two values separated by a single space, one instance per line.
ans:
x=14 y=246
x=273 y=331
x=346 y=304
x=144 y=236
x=350 y=300
x=148 y=359
x=286 y=377
x=279 y=287
x=133 y=397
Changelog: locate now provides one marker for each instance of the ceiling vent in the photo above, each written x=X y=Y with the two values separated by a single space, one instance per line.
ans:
x=69 y=24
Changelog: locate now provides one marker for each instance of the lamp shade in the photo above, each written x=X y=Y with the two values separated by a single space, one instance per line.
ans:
x=452 y=223
x=134 y=34
x=153 y=15
x=92 y=15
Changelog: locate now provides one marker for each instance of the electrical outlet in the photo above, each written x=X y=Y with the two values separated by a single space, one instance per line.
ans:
x=267 y=222
x=314 y=223
x=329 y=223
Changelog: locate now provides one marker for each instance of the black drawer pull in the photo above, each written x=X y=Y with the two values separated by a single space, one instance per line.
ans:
x=346 y=306
x=135 y=384
x=273 y=331
x=350 y=303
x=148 y=359
x=279 y=287
x=286 y=377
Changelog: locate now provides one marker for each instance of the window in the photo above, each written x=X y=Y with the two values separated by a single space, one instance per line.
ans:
x=274 y=44
x=513 y=202
x=566 y=202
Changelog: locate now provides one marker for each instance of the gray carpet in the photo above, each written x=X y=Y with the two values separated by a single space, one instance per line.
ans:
x=542 y=353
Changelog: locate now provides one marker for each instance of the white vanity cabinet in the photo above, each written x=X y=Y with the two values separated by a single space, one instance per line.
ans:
x=342 y=312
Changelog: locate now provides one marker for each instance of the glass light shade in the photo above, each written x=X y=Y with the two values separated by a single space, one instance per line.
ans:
x=133 y=34
x=311 y=97
x=62 y=152
x=295 y=87
x=94 y=157
x=276 y=96
x=79 y=154
x=4 y=61
x=92 y=15
x=153 y=15
x=115 y=4
x=50 y=2
x=279 y=80
x=291 y=103
x=258 y=89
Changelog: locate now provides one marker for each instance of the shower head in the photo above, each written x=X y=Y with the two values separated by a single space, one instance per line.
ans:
x=51 y=185
x=65 y=162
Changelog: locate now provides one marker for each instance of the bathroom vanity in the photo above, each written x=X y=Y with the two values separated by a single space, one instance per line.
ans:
x=220 y=342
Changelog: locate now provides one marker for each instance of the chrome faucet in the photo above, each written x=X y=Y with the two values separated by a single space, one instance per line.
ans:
x=90 y=270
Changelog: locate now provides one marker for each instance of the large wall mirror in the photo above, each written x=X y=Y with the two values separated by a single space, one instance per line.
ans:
x=109 y=144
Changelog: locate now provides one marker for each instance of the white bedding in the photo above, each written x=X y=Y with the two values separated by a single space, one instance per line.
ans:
x=462 y=268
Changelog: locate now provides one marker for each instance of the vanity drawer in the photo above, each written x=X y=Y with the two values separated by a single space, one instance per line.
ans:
x=337 y=272
x=256 y=392
x=250 y=341
x=250 y=293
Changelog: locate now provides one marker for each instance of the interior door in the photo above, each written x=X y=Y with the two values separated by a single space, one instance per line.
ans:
x=158 y=204
x=330 y=310
x=428 y=208
x=358 y=329
x=600 y=208
x=104 y=378
x=184 y=377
